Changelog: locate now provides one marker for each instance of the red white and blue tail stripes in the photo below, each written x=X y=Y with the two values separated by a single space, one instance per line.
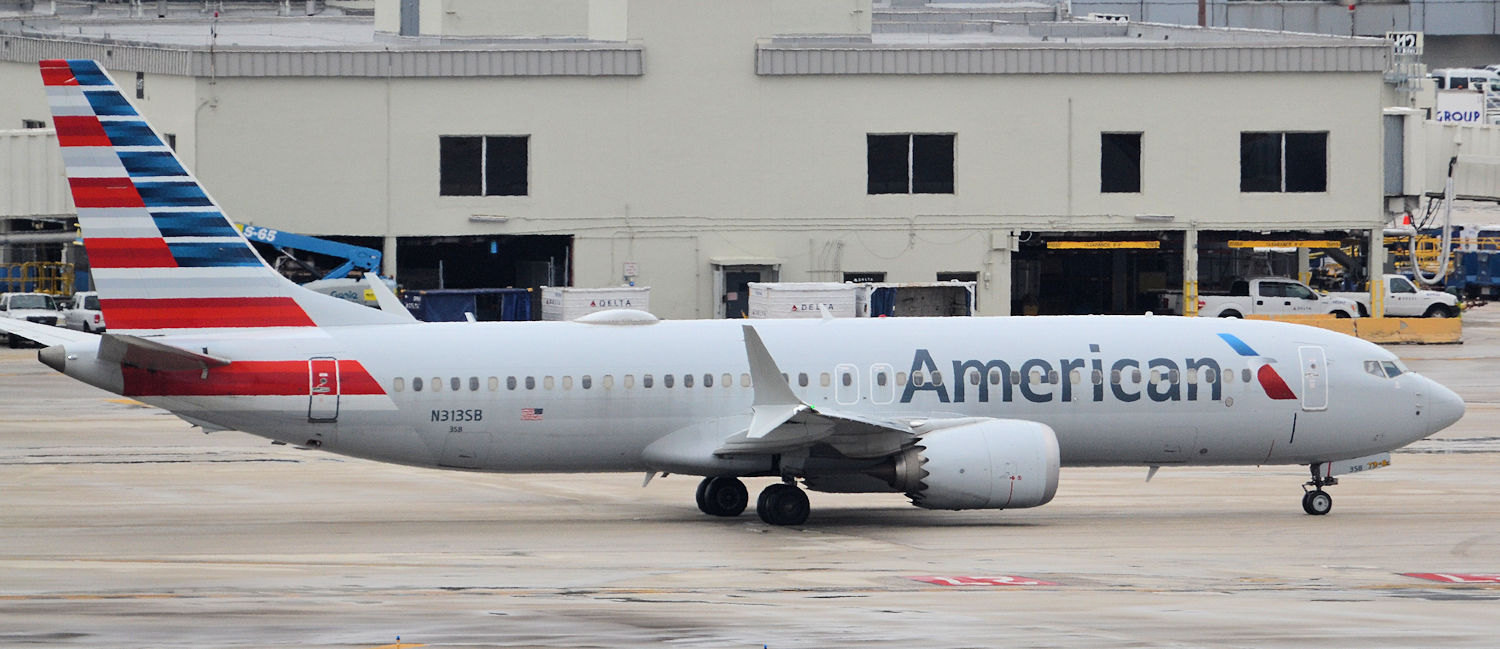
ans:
x=163 y=254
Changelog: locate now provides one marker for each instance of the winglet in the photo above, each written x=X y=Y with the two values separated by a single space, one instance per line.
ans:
x=386 y=298
x=774 y=402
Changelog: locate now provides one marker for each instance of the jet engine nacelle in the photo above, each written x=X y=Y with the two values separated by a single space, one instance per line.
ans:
x=988 y=464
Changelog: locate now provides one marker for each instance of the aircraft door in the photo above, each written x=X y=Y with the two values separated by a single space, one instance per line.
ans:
x=846 y=384
x=882 y=383
x=323 y=389
x=1314 y=378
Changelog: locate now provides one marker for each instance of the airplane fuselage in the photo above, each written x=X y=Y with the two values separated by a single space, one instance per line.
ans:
x=584 y=397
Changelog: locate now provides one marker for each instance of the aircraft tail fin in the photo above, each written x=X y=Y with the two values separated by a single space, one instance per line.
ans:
x=163 y=254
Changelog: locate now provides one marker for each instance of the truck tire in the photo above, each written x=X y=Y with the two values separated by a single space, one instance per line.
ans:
x=1231 y=314
x=1437 y=311
x=1341 y=314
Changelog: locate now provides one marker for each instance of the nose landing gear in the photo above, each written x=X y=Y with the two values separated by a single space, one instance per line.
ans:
x=1315 y=501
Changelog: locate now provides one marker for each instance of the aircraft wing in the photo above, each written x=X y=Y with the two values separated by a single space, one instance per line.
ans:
x=781 y=422
x=851 y=435
x=47 y=335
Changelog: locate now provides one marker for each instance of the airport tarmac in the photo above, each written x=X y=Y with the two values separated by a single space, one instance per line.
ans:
x=121 y=526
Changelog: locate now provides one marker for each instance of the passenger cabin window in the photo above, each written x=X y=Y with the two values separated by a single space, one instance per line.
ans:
x=666 y=380
x=416 y=384
x=646 y=381
x=744 y=380
x=726 y=381
x=586 y=381
x=708 y=380
x=530 y=383
x=567 y=382
x=547 y=382
x=687 y=380
x=473 y=384
x=802 y=379
x=399 y=384
x=510 y=382
x=494 y=383
x=437 y=384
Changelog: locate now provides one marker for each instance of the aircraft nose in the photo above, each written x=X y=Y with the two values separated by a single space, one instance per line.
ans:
x=1445 y=408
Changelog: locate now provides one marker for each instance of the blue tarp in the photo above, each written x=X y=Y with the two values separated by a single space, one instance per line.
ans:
x=450 y=305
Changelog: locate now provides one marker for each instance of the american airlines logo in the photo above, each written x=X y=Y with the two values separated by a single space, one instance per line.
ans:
x=1063 y=390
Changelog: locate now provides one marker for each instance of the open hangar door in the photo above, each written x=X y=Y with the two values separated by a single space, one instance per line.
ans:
x=1333 y=260
x=527 y=261
x=1076 y=273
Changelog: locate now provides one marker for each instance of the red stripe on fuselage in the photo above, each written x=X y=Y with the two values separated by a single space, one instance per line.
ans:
x=55 y=72
x=1271 y=381
x=105 y=192
x=203 y=312
x=144 y=252
x=80 y=131
x=246 y=379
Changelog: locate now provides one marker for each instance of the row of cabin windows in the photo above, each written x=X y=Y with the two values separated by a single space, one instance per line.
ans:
x=846 y=378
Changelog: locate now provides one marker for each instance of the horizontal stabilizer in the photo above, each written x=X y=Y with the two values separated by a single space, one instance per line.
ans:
x=144 y=353
x=46 y=335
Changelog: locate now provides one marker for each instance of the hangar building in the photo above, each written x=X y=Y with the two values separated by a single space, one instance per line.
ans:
x=1067 y=166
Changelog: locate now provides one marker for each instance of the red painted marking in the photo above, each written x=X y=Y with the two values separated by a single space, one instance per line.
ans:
x=144 y=252
x=80 y=131
x=204 y=312
x=1271 y=381
x=997 y=580
x=1455 y=578
x=245 y=378
x=55 y=72
x=105 y=192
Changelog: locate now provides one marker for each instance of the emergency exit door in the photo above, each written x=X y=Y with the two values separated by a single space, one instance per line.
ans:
x=323 y=389
x=1314 y=378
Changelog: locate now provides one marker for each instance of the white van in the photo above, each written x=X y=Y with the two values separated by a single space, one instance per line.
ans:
x=1465 y=78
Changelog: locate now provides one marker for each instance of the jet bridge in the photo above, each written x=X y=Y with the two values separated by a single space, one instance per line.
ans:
x=1417 y=153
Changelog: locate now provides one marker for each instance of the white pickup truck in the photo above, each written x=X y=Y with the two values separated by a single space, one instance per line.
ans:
x=82 y=313
x=33 y=307
x=1405 y=300
x=1273 y=296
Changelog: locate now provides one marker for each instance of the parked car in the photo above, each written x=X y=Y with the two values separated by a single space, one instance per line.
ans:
x=1273 y=296
x=1405 y=300
x=33 y=307
x=82 y=313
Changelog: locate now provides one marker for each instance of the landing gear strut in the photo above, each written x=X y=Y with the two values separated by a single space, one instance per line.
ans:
x=782 y=504
x=1315 y=501
x=722 y=496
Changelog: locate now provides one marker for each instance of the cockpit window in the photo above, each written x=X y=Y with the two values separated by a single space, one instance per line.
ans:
x=1385 y=369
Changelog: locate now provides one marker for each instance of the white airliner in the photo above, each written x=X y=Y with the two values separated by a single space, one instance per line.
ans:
x=956 y=413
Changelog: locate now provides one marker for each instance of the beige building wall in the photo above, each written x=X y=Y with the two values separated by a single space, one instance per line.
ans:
x=701 y=160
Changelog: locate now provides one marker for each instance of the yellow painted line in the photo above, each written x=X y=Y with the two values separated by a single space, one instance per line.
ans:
x=1102 y=245
x=1299 y=243
x=127 y=402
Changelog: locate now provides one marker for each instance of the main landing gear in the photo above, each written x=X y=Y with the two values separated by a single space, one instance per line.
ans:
x=1315 y=501
x=779 y=504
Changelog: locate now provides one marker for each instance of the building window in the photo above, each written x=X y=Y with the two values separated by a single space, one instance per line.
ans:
x=171 y=141
x=1120 y=163
x=140 y=85
x=33 y=123
x=910 y=163
x=483 y=165
x=1283 y=162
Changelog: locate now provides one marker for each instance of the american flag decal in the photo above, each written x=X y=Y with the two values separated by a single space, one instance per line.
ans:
x=531 y=414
